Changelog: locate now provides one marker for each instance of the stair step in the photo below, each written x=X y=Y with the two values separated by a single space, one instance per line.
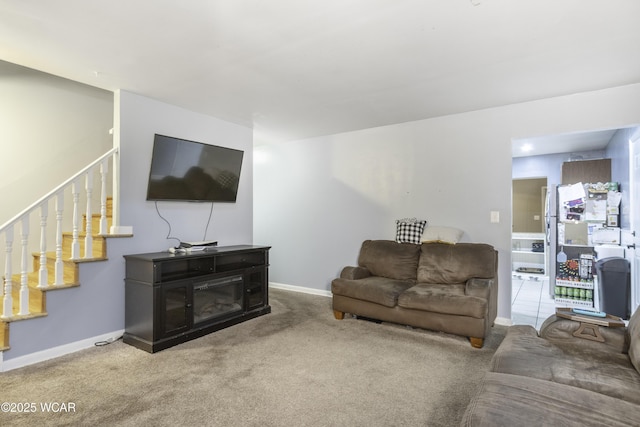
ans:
x=95 y=223
x=4 y=336
x=99 y=246
x=69 y=271
x=38 y=296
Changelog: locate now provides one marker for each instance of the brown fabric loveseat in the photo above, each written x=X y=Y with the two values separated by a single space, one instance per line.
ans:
x=437 y=286
x=556 y=379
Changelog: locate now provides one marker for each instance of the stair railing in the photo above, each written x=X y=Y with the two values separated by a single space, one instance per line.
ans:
x=22 y=220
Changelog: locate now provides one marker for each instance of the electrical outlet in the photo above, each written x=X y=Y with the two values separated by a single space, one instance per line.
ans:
x=495 y=217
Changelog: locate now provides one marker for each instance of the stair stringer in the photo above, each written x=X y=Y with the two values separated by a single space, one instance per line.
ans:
x=74 y=314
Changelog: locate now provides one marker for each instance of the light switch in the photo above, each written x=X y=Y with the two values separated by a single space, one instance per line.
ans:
x=495 y=217
x=536 y=217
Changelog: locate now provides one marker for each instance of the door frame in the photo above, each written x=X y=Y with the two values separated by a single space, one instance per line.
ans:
x=633 y=246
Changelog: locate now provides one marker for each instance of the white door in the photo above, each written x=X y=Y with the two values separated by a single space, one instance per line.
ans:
x=634 y=180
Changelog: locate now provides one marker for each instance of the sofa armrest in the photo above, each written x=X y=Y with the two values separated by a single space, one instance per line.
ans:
x=354 y=273
x=481 y=288
x=560 y=332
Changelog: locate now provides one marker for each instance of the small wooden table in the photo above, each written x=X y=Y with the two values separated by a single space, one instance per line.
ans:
x=589 y=323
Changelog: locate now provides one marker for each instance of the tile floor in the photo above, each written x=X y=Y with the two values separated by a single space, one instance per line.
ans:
x=530 y=301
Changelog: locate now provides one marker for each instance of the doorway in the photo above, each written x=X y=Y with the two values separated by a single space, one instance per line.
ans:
x=545 y=155
x=531 y=301
x=633 y=251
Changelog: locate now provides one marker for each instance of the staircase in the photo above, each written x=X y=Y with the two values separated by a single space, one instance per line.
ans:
x=71 y=278
x=23 y=295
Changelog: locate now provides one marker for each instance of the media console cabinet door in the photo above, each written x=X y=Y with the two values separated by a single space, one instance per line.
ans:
x=256 y=288
x=175 y=308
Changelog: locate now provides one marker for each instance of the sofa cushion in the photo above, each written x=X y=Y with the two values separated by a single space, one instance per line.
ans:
x=634 y=339
x=574 y=362
x=447 y=299
x=444 y=263
x=373 y=289
x=513 y=400
x=389 y=259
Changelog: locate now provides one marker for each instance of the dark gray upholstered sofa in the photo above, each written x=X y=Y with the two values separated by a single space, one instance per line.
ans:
x=555 y=379
x=438 y=286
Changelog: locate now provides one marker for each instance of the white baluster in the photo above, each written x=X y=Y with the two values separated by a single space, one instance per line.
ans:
x=59 y=268
x=75 y=244
x=104 y=170
x=24 y=277
x=7 y=306
x=43 y=272
x=88 y=238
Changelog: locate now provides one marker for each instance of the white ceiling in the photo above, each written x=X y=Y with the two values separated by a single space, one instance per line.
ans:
x=294 y=69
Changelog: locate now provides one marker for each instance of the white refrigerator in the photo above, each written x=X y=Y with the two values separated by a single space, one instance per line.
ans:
x=581 y=220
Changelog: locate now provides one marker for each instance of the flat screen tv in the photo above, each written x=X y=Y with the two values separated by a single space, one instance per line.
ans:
x=183 y=170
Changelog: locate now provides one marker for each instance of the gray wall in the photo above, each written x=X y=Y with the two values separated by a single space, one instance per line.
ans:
x=317 y=199
x=97 y=306
x=139 y=119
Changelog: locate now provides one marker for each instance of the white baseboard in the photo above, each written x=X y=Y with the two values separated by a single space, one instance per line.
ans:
x=300 y=289
x=503 y=321
x=54 y=352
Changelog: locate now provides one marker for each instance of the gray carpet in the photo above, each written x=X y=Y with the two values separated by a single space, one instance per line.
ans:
x=297 y=366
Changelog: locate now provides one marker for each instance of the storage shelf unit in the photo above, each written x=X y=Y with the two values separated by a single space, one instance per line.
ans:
x=528 y=254
x=575 y=286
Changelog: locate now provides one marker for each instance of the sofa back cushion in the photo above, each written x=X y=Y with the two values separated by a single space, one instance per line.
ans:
x=634 y=339
x=389 y=259
x=445 y=263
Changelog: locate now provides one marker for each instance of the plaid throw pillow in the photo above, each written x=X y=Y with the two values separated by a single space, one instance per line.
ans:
x=409 y=230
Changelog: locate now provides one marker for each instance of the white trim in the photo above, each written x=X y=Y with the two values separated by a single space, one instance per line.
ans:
x=54 y=352
x=503 y=321
x=300 y=289
x=121 y=229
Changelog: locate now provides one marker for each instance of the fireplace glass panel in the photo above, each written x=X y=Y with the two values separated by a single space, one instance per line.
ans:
x=217 y=297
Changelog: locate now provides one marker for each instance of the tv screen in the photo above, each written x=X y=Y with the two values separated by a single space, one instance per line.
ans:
x=192 y=171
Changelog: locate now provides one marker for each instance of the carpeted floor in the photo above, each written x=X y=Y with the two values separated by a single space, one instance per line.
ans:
x=297 y=366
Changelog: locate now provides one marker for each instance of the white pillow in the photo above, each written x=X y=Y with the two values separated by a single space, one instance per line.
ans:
x=442 y=234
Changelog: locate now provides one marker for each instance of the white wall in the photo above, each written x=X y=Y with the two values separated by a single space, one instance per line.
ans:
x=317 y=199
x=618 y=152
x=139 y=118
x=49 y=129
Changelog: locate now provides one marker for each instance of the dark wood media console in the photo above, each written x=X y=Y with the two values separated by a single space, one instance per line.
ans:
x=173 y=298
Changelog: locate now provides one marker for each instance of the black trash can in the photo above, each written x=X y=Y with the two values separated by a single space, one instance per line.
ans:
x=614 y=286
